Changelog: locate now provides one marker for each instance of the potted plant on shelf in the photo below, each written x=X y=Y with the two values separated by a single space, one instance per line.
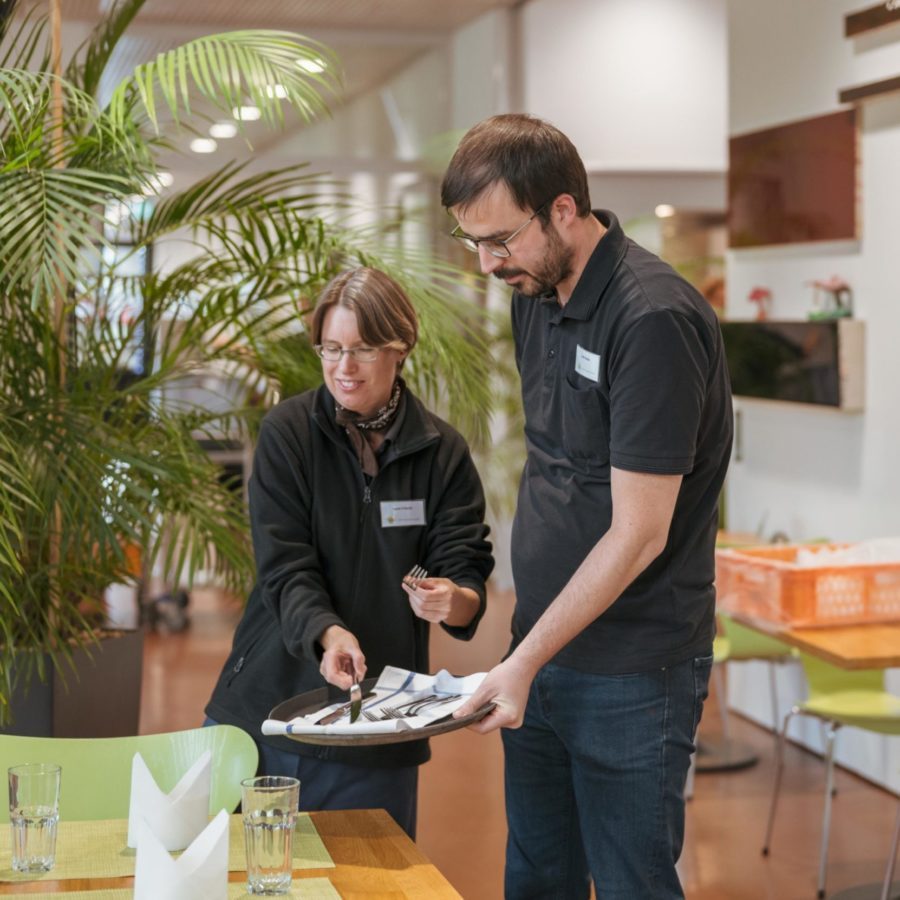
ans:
x=96 y=456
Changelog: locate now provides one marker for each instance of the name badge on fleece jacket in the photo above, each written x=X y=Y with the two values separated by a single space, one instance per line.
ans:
x=587 y=363
x=402 y=513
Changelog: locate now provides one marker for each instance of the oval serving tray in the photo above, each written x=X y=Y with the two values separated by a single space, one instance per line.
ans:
x=312 y=701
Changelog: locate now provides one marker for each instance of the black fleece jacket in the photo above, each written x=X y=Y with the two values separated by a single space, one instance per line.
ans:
x=323 y=558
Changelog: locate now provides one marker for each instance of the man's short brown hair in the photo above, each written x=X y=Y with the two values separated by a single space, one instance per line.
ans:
x=533 y=158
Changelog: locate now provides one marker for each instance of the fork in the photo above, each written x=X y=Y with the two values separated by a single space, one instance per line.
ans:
x=410 y=710
x=414 y=576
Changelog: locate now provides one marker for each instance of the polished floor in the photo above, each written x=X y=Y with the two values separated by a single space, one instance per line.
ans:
x=461 y=821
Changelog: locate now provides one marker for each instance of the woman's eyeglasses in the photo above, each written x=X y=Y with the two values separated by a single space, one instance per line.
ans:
x=333 y=353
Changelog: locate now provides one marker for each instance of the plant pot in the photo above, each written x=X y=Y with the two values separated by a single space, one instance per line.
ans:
x=98 y=695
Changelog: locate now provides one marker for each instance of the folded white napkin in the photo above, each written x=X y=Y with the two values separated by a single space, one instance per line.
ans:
x=393 y=688
x=200 y=872
x=175 y=818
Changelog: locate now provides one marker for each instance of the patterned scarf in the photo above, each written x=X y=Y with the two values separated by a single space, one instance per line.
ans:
x=354 y=424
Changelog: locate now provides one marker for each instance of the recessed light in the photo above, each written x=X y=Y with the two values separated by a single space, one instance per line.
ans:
x=246 y=113
x=278 y=91
x=664 y=211
x=313 y=66
x=223 y=130
x=203 y=145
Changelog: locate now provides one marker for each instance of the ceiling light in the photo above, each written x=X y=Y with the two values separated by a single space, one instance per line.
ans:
x=278 y=91
x=246 y=113
x=313 y=66
x=203 y=145
x=223 y=130
x=664 y=211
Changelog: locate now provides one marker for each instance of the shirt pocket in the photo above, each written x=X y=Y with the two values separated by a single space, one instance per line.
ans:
x=584 y=431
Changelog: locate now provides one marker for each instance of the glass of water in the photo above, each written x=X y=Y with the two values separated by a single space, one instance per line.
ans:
x=33 y=815
x=269 y=807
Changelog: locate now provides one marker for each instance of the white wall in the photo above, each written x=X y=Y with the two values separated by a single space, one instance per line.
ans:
x=806 y=471
x=636 y=84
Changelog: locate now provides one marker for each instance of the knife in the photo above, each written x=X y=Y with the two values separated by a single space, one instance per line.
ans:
x=340 y=712
x=355 y=702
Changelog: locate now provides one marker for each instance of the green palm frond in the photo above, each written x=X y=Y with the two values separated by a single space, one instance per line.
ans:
x=15 y=496
x=25 y=99
x=49 y=220
x=87 y=64
x=231 y=70
x=219 y=195
x=20 y=46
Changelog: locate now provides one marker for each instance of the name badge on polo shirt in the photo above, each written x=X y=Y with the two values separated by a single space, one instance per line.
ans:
x=402 y=513
x=587 y=363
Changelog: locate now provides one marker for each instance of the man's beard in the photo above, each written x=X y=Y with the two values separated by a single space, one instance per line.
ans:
x=555 y=267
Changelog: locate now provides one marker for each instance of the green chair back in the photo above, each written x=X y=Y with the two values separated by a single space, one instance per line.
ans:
x=825 y=679
x=741 y=642
x=96 y=772
x=850 y=696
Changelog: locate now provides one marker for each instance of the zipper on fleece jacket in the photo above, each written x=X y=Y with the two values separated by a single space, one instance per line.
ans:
x=367 y=499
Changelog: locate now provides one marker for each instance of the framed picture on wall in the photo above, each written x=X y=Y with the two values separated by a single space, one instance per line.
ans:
x=794 y=183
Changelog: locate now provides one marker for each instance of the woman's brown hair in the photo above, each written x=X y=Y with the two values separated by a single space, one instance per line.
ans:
x=384 y=313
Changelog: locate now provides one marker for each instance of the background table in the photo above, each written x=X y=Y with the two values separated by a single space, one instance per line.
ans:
x=848 y=646
x=373 y=857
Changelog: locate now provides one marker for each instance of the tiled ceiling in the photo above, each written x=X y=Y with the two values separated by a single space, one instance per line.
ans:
x=397 y=15
x=373 y=39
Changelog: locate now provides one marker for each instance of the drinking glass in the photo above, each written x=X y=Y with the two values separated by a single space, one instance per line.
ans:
x=33 y=815
x=269 y=807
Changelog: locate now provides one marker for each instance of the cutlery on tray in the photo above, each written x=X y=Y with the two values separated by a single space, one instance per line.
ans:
x=355 y=701
x=341 y=711
x=409 y=710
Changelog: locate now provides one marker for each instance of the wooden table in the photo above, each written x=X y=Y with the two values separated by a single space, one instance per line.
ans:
x=848 y=646
x=373 y=858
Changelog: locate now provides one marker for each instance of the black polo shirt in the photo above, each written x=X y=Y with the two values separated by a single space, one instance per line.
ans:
x=629 y=373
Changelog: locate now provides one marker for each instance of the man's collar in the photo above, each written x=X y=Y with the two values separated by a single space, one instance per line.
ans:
x=599 y=269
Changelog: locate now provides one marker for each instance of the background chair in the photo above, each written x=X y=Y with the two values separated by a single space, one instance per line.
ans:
x=96 y=772
x=738 y=643
x=837 y=697
x=892 y=855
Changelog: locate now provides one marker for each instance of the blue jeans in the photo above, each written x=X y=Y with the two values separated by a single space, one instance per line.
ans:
x=595 y=783
x=332 y=785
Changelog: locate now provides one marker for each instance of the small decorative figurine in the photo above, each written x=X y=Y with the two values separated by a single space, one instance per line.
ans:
x=762 y=297
x=832 y=299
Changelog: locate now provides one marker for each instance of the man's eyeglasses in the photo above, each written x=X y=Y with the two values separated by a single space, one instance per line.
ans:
x=333 y=353
x=495 y=246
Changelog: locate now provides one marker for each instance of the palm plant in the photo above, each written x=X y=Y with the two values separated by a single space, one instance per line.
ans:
x=95 y=454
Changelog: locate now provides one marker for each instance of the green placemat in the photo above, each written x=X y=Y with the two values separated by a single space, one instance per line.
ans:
x=309 y=851
x=100 y=850
x=305 y=889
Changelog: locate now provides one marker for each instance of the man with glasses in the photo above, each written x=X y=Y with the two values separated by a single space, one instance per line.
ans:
x=628 y=430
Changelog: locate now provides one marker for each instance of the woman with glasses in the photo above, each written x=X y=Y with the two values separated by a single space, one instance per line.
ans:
x=354 y=483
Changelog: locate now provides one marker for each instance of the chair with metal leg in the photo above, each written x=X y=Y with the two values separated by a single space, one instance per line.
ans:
x=887 y=885
x=738 y=643
x=837 y=697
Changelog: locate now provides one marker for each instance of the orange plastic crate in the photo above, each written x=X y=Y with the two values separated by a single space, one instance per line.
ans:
x=765 y=583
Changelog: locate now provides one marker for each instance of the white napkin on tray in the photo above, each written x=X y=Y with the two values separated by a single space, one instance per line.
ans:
x=201 y=871
x=394 y=687
x=176 y=818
